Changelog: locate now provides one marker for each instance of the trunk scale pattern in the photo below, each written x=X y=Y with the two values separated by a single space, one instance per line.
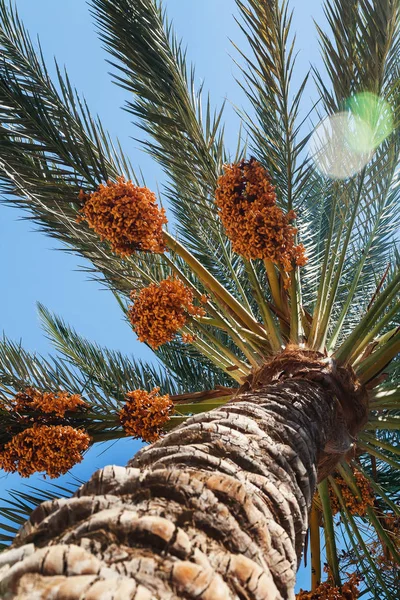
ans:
x=216 y=510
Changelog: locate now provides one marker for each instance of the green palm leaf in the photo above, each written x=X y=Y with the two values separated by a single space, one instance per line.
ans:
x=186 y=140
x=51 y=148
x=18 y=507
x=116 y=374
x=275 y=135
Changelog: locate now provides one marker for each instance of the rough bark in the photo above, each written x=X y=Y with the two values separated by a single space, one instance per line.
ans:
x=216 y=510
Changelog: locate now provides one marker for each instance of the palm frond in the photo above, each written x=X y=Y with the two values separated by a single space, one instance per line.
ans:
x=191 y=368
x=377 y=544
x=186 y=140
x=360 y=546
x=371 y=249
x=51 y=148
x=53 y=120
x=111 y=371
x=17 y=507
x=275 y=135
x=363 y=205
x=44 y=177
x=378 y=319
x=20 y=369
x=184 y=370
x=358 y=49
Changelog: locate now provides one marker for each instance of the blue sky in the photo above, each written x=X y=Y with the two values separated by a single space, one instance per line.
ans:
x=31 y=268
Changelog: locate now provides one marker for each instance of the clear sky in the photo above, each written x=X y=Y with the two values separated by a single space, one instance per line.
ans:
x=31 y=270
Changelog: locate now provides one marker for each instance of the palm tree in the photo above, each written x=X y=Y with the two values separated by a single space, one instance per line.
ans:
x=272 y=309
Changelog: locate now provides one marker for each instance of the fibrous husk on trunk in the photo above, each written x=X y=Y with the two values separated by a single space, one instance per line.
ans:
x=340 y=381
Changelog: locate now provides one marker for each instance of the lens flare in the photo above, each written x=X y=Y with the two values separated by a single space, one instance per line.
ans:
x=342 y=144
x=330 y=146
x=377 y=114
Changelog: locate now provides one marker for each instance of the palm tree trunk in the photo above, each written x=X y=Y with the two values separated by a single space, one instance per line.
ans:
x=217 y=509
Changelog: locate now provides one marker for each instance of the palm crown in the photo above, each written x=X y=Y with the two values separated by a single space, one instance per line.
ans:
x=267 y=251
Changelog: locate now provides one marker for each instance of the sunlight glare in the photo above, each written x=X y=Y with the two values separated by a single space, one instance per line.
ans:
x=342 y=144
x=331 y=150
x=377 y=113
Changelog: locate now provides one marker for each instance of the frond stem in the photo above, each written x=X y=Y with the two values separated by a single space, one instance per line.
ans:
x=274 y=285
x=376 y=362
x=269 y=322
x=367 y=448
x=215 y=357
x=209 y=281
x=315 y=545
x=350 y=295
x=352 y=346
x=323 y=282
x=295 y=322
x=235 y=277
x=228 y=353
x=351 y=526
x=331 y=551
x=328 y=305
